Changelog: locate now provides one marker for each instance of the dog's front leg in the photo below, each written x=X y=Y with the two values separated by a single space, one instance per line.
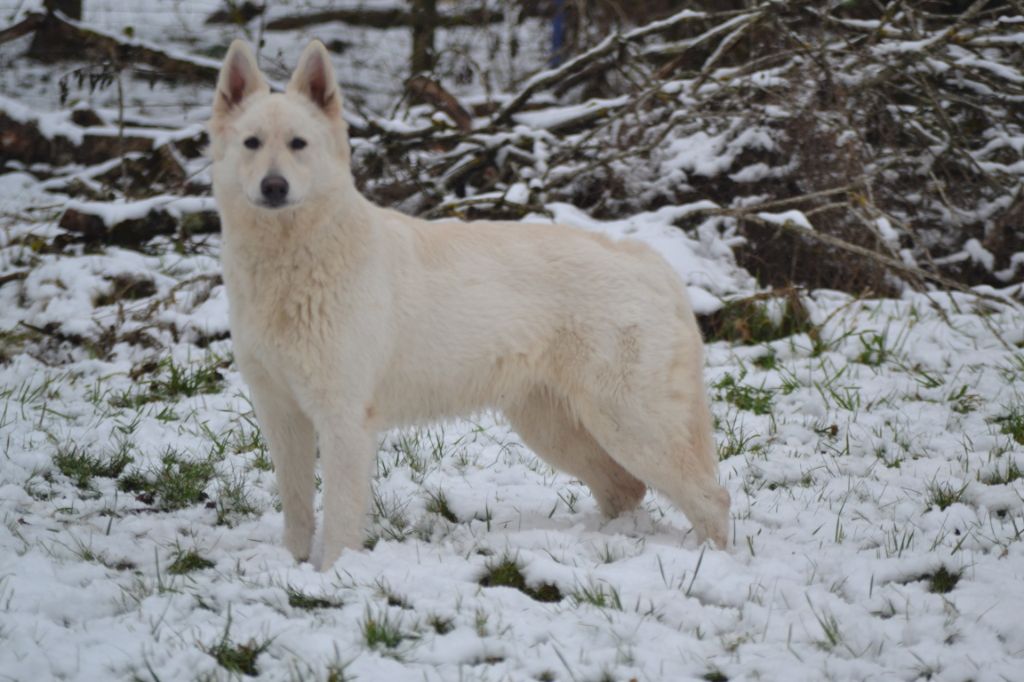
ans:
x=292 y=444
x=347 y=455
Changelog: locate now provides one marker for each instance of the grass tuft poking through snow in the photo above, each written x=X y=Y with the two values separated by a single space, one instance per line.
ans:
x=1004 y=474
x=506 y=573
x=759 y=319
x=943 y=495
x=437 y=503
x=300 y=600
x=187 y=561
x=599 y=595
x=942 y=581
x=440 y=624
x=382 y=629
x=1012 y=423
x=238 y=657
x=751 y=398
x=81 y=466
x=177 y=483
x=173 y=381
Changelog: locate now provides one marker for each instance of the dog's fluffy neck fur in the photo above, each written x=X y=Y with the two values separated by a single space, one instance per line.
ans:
x=279 y=262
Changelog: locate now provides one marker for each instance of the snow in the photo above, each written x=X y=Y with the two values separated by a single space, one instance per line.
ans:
x=112 y=213
x=711 y=154
x=979 y=254
x=887 y=231
x=518 y=193
x=792 y=216
x=1016 y=262
x=964 y=57
x=552 y=117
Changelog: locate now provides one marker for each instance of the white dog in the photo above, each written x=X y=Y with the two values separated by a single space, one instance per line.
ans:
x=348 y=318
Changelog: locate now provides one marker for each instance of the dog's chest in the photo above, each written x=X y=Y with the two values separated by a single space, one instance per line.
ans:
x=278 y=303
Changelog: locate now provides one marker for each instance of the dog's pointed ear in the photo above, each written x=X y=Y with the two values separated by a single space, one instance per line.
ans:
x=314 y=79
x=239 y=79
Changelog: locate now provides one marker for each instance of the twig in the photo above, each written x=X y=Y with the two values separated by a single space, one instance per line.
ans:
x=723 y=47
x=603 y=49
x=13 y=276
x=23 y=27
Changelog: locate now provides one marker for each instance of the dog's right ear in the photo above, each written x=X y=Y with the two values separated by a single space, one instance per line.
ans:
x=239 y=79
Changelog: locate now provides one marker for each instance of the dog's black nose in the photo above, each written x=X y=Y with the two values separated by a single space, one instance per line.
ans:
x=275 y=189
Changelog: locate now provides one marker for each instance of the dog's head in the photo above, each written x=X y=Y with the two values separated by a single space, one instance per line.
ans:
x=278 y=150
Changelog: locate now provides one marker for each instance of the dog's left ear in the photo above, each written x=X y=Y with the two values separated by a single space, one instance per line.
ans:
x=314 y=79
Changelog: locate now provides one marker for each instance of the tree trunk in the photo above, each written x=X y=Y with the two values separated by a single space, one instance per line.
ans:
x=71 y=8
x=424 y=22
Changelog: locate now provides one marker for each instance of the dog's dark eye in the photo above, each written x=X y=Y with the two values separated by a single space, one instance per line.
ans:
x=297 y=143
x=252 y=142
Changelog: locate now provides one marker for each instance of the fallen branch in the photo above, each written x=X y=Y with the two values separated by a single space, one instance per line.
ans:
x=236 y=14
x=23 y=27
x=135 y=230
x=59 y=38
x=132 y=231
x=22 y=140
x=380 y=18
x=14 y=276
x=133 y=223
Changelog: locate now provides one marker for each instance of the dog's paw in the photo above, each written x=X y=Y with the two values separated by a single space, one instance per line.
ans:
x=299 y=543
x=620 y=499
x=336 y=544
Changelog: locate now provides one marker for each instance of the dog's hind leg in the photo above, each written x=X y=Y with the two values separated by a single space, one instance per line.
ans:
x=292 y=443
x=670 y=445
x=547 y=428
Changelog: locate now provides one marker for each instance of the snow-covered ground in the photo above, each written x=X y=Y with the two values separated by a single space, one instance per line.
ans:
x=874 y=460
x=874 y=466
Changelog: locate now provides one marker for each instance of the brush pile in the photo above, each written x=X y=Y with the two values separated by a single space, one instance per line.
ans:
x=858 y=146
x=806 y=128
